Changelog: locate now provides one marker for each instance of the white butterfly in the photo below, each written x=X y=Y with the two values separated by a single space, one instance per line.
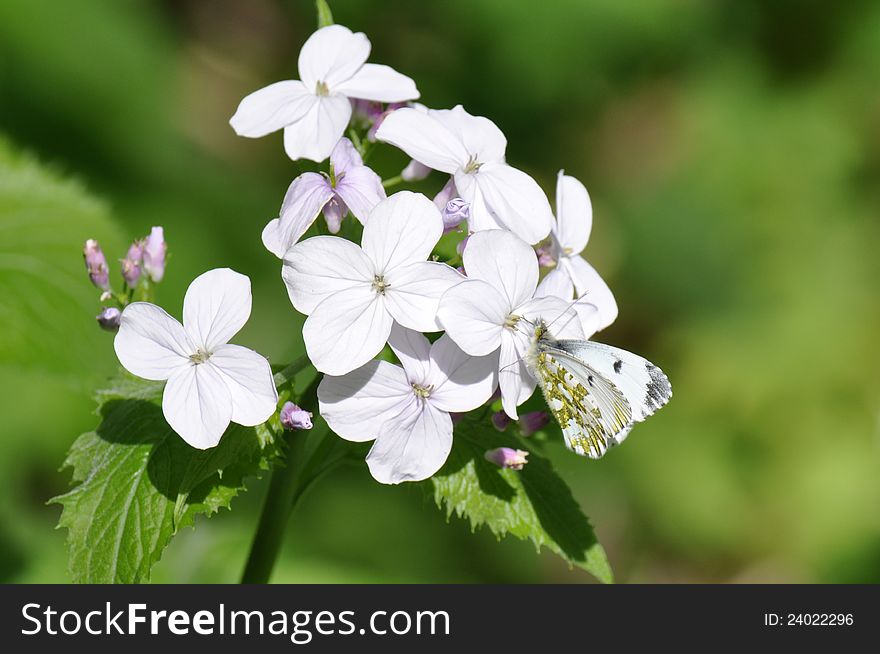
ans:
x=596 y=392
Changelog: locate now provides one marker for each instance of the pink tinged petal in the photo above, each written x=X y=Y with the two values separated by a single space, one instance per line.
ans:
x=414 y=171
x=514 y=379
x=346 y=330
x=412 y=446
x=413 y=351
x=334 y=212
x=574 y=215
x=356 y=405
x=322 y=265
x=332 y=55
x=361 y=189
x=271 y=108
x=216 y=306
x=589 y=285
x=401 y=230
x=379 y=83
x=563 y=321
x=473 y=314
x=460 y=382
x=305 y=198
x=424 y=139
x=150 y=343
x=197 y=405
x=446 y=194
x=414 y=292
x=482 y=139
x=515 y=201
x=345 y=157
x=315 y=134
x=504 y=261
x=249 y=379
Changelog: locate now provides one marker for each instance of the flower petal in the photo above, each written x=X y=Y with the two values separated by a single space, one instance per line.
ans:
x=346 y=330
x=479 y=217
x=248 y=377
x=400 y=230
x=315 y=134
x=150 y=343
x=413 y=351
x=332 y=55
x=514 y=379
x=271 y=108
x=412 y=446
x=473 y=314
x=424 y=139
x=216 y=306
x=557 y=283
x=345 y=157
x=515 y=200
x=305 y=198
x=322 y=265
x=589 y=285
x=560 y=315
x=574 y=214
x=460 y=382
x=379 y=83
x=504 y=261
x=482 y=139
x=414 y=292
x=356 y=405
x=197 y=405
x=361 y=189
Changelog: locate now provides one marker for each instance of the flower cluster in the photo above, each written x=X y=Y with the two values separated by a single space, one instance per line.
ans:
x=449 y=287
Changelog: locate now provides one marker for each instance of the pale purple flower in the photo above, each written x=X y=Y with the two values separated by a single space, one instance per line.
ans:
x=534 y=421
x=472 y=150
x=350 y=186
x=155 y=250
x=407 y=409
x=96 y=264
x=501 y=420
x=108 y=319
x=314 y=112
x=294 y=418
x=131 y=265
x=507 y=458
x=455 y=211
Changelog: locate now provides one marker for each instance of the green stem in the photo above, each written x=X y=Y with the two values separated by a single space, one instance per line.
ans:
x=286 y=375
x=392 y=181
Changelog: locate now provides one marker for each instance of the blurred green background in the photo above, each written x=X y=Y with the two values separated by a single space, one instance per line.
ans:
x=732 y=151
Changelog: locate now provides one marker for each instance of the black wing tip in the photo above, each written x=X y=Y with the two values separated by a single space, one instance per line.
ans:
x=659 y=390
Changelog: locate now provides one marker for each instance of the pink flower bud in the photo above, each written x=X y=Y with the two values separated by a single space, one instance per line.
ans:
x=507 y=458
x=456 y=210
x=294 y=418
x=545 y=256
x=529 y=423
x=334 y=212
x=108 y=319
x=96 y=264
x=414 y=171
x=131 y=265
x=155 y=249
x=501 y=420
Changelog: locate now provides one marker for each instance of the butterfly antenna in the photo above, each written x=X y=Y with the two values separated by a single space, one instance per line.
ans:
x=571 y=305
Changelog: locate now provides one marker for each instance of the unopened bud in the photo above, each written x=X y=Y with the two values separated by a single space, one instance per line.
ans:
x=155 y=249
x=414 y=171
x=109 y=318
x=529 y=423
x=96 y=264
x=508 y=458
x=501 y=420
x=545 y=256
x=456 y=210
x=131 y=265
x=292 y=417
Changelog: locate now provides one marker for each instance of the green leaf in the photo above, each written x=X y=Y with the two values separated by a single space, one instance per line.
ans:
x=137 y=483
x=47 y=315
x=325 y=18
x=534 y=503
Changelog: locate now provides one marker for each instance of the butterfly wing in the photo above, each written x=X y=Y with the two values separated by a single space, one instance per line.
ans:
x=643 y=384
x=591 y=410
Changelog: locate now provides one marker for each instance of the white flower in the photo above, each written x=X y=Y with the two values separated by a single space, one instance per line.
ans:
x=210 y=382
x=573 y=276
x=471 y=149
x=496 y=308
x=353 y=295
x=353 y=187
x=406 y=409
x=314 y=112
